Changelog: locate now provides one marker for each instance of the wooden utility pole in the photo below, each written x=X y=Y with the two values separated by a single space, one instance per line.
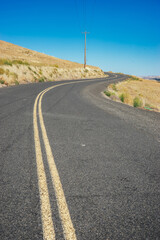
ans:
x=85 y=49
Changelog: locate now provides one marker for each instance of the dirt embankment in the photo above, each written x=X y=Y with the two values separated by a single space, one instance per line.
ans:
x=136 y=92
x=20 y=65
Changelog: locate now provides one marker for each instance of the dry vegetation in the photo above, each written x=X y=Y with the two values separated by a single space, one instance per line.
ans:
x=21 y=65
x=136 y=92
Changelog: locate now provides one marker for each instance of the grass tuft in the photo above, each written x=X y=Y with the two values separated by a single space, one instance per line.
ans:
x=2 y=81
x=114 y=87
x=107 y=93
x=122 y=97
x=41 y=79
x=137 y=102
x=40 y=71
x=11 y=62
x=56 y=65
x=5 y=62
x=14 y=75
x=16 y=82
x=20 y=62
x=2 y=71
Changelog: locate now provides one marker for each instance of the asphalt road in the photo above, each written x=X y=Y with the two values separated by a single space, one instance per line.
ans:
x=107 y=155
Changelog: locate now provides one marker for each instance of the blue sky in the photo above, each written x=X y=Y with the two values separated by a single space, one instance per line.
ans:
x=124 y=34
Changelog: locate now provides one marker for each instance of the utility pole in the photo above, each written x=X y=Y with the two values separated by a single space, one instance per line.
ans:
x=85 y=49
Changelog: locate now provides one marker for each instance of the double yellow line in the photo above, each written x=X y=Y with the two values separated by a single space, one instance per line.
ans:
x=46 y=213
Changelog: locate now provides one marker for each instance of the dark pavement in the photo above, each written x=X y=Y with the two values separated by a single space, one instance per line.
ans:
x=107 y=155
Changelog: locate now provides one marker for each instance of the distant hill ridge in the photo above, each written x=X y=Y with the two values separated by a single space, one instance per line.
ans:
x=152 y=77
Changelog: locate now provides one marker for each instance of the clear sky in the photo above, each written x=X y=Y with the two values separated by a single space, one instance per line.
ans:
x=124 y=34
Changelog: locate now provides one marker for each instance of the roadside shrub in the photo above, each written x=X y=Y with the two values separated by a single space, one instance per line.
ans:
x=2 y=71
x=86 y=70
x=107 y=93
x=16 y=82
x=41 y=79
x=2 y=81
x=137 y=102
x=122 y=97
x=114 y=87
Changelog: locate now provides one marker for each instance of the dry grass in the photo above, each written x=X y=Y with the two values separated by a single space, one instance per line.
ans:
x=11 y=52
x=145 y=92
x=20 y=65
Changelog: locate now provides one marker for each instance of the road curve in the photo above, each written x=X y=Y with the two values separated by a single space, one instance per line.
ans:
x=75 y=165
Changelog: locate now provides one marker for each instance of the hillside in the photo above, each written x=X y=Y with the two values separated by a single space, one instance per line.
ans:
x=136 y=92
x=21 y=65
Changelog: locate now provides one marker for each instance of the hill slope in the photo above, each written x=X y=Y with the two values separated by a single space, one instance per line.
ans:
x=136 y=92
x=21 y=65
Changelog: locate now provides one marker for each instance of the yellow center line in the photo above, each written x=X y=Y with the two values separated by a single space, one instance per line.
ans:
x=69 y=231
x=46 y=214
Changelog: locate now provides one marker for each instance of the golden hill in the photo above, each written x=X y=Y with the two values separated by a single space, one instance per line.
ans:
x=21 y=65
x=14 y=52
